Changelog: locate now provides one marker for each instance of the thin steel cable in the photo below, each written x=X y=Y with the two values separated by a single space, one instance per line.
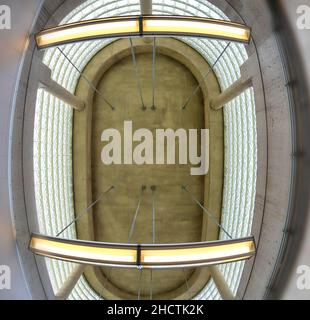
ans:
x=189 y=99
x=140 y=283
x=207 y=212
x=153 y=235
x=153 y=215
x=86 y=79
x=132 y=228
x=107 y=278
x=151 y=285
x=137 y=73
x=187 y=286
x=154 y=72
x=133 y=223
x=84 y=212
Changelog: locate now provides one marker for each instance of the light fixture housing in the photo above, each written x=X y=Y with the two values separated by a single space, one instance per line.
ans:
x=158 y=256
x=133 y=26
x=118 y=27
x=197 y=254
x=86 y=252
x=195 y=27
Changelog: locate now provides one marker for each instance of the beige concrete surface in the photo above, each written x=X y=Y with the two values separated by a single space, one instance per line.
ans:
x=112 y=71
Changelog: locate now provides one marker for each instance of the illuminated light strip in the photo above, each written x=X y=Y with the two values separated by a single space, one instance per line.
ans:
x=143 y=26
x=95 y=253
x=88 y=30
x=159 y=256
x=193 y=26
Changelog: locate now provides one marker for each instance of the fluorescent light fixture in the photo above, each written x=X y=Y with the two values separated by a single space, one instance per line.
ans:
x=197 y=254
x=143 y=26
x=158 y=256
x=196 y=27
x=94 y=253
x=88 y=30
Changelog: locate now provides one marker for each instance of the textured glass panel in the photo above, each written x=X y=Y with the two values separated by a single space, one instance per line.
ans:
x=53 y=181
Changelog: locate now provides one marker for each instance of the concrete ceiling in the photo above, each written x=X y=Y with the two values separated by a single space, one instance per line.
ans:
x=178 y=219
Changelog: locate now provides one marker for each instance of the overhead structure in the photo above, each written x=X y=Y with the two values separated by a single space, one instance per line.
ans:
x=130 y=26
x=238 y=225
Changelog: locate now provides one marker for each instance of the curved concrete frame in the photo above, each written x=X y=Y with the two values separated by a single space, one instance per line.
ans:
x=197 y=65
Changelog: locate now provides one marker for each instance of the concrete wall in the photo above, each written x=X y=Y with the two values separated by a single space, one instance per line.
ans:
x=274 y=142
x=13 y=44
x=295 y=249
